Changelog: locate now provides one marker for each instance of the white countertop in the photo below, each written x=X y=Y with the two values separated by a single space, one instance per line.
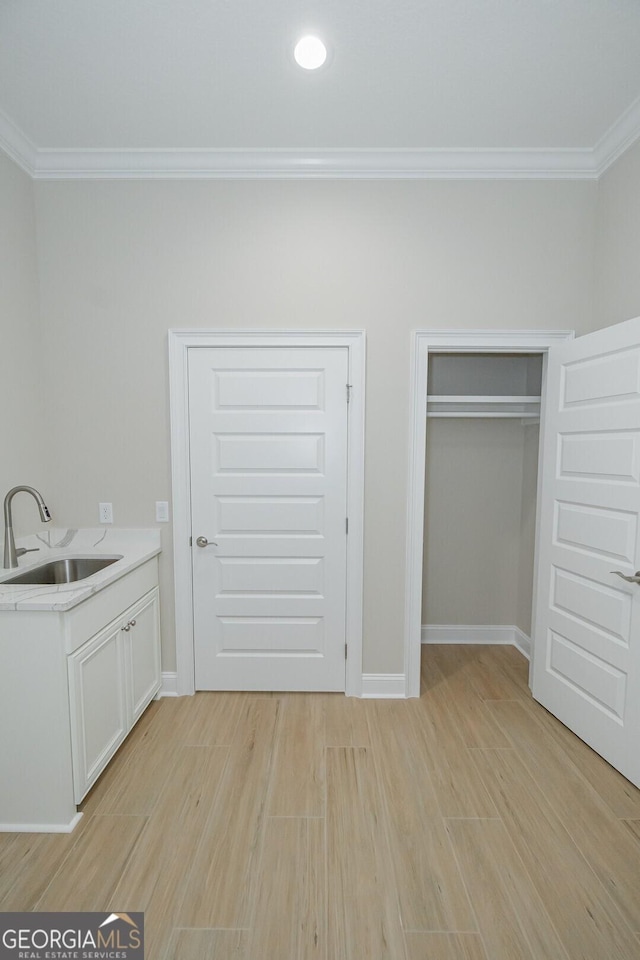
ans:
x=134 y=546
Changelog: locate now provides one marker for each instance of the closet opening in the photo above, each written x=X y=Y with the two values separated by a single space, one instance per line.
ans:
x=477 y=417
x=480 y=489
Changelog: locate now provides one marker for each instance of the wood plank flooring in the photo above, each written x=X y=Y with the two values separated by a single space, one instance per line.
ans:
x=467 y=825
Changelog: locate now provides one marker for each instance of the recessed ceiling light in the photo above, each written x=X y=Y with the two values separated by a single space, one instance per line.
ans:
x=310 y=52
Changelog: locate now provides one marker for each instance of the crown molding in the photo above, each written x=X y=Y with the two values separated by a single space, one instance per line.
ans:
x=619 y=137
x=338 y=164
x=278 y=164
x=16 y=145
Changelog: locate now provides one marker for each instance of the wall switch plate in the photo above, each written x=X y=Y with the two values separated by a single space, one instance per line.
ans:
x=105 y=512
x=162 y=511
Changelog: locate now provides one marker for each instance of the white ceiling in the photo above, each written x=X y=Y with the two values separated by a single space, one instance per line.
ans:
x=174 y=82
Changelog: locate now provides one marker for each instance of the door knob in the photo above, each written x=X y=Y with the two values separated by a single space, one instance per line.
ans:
x=634 y=579
x=203 y=542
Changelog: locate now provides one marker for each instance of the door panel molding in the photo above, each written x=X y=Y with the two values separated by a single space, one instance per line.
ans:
x=448 y=341
x=586 y=666
x=180 y=342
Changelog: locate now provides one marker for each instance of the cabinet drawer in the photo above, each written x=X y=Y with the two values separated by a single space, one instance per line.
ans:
x=89 y=617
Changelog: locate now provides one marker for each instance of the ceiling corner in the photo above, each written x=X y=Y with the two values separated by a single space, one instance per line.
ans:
x=619 y=137
x=17 y=146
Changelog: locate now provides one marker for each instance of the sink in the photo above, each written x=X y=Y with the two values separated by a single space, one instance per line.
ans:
x=66 y=570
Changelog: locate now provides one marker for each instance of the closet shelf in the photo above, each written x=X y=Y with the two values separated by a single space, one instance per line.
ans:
x=483 y=406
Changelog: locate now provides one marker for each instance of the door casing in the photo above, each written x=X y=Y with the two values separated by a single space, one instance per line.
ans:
x=180 y=342
x=449 y=341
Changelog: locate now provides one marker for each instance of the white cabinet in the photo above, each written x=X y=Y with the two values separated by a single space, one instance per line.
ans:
x=72 y=685
x=98 y=709
x=143 y=644
x=112 y=678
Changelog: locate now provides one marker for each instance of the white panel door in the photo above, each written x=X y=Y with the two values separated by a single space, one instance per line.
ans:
x=268 y=459
x=586 y=667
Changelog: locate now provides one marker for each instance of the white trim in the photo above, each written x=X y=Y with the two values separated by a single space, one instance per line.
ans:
x=522 y=642
x=467 y=633
x=383 y=686
x=568 y=163
x=180 y=342
x=415 y=513
x=452 y=341
x=17 y=146
x=476 y=633
x=179 y=413
x=343 y=164
x=41 y=827
x=169 y=686
x=619 y=137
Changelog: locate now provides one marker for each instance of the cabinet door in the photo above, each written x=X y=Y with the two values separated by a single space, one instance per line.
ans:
x=98 y=705
x=143 y=640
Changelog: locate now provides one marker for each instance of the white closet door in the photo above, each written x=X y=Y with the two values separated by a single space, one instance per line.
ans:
x=268 y=441
x=586 y=667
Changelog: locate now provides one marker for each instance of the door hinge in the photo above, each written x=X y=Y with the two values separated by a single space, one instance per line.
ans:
x=345 y=651
x=346 y=525
x=190 y=541
x=349 y=389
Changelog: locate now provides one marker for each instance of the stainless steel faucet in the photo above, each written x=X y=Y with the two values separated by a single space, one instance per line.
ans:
x=10 y=553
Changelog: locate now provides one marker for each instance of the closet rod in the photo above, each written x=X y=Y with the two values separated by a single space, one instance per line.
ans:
x=465 y=414
x=481 y=398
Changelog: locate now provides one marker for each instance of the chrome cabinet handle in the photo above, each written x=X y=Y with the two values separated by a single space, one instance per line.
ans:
x=132 y=622
x=203 y=542
x=634 y=579
x=127 y=627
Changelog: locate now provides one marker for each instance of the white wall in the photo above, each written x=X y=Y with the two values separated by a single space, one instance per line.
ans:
x=121 y=262
x=473 y=508
x=22 y=427
x=617 y=263
x=527 y=535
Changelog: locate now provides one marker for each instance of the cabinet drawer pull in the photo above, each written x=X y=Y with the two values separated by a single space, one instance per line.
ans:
x=132 y=623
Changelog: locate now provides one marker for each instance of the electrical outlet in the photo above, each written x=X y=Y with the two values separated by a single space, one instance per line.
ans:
x=105 y=512
x=162 y=511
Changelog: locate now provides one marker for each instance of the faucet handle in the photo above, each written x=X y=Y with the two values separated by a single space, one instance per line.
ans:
x=20 y=552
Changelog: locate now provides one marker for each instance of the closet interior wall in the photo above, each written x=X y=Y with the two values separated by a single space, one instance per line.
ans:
x=480 y=493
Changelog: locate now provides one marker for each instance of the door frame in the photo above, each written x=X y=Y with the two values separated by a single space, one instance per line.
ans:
x=448 y=341
x=180 y=343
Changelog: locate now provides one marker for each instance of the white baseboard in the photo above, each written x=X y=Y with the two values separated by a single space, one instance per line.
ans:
x=522 y=642
x=169 y=686
x=41 y=827
x=480 y=633
x=381 y=686
x=374 y=685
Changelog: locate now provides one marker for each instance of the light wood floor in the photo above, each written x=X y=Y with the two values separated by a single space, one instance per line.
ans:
x=467 y=825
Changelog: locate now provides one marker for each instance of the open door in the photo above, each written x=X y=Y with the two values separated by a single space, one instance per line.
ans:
x=586 y=650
